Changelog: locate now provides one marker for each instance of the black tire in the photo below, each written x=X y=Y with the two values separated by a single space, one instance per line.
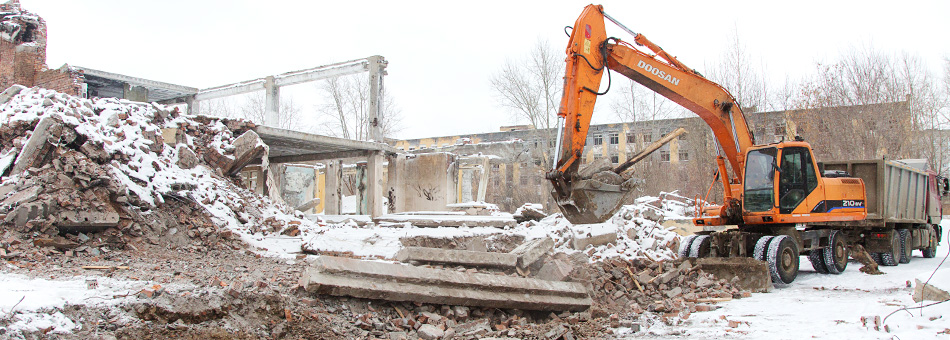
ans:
x=760 y=247
x=891 y=258
x=684 y=246
x=837 y=254
x=783 y=259
x=906 y=247
x=700 y=246
x=877 y=258
x=931 y=250
x=817 y=259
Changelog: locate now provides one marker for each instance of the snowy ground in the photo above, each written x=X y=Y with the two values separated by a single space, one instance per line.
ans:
x=827 y=307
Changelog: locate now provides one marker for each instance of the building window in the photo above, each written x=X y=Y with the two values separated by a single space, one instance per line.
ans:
x=648 y=137
x=598 y=140
x=411 y=148
x=614 y=138
x=664 y=156
x=495 y=168
x=631 y=138
x=615 y=159
x=524 y=180
x=684 y=156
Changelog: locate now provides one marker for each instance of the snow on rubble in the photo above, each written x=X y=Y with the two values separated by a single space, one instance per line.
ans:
x=627 y=235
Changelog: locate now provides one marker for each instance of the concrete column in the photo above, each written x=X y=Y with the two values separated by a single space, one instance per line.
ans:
x=271 y=102
x=483 y=181
x=377 y=66
x=192 y=104
x=134 y=93
x=374 y=183
x=468 y=175
x=333 y=178
x=362 y=193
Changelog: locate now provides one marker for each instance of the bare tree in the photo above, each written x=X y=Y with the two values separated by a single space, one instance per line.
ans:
x=738 y=73
x=858 y=108
x=531 y=87
x=347 y=108
x=288 y=117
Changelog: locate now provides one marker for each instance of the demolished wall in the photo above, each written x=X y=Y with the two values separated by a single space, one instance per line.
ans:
x=23 y=53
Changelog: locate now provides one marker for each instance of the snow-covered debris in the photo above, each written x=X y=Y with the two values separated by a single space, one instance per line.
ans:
x=102 y=165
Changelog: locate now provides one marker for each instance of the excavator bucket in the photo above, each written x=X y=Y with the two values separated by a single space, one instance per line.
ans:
x=596 y=199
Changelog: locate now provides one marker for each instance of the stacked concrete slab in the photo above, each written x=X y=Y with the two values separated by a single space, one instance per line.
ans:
x=398 y=282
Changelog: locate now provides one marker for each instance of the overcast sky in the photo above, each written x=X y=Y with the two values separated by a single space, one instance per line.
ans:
x=442 y=53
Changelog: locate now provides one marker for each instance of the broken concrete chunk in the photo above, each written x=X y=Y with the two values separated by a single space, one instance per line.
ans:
x=170 y=136
x=187 y=159
x=928 y=292
x=396 y=282
x=247 y=147
x=530 y=252
x=478 y=327
x=38 y=146
x=581 y=242
x=87 y=220
x=6 y=159
x=555 y=270
x=429 y=332
x=27 y=212
x=10 y=92
x=22 y=196
x=672 y=293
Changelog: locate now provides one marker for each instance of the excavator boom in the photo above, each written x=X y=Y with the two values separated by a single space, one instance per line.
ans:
x=591 y=197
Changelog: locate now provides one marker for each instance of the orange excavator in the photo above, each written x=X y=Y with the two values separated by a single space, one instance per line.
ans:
x=776 y=195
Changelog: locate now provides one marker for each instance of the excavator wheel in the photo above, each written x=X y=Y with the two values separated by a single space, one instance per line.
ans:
x=783 y=259
x=700 y=246
x=685 y=246
x=760 y=247
x=836 y=255
x=817 y=259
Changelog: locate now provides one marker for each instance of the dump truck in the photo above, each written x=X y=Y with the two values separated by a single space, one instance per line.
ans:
x=782 y=202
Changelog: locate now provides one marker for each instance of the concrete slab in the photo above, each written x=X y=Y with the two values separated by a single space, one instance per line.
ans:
x=530 y=252
x=459 y=257
x=396 y=282
x=449 y=220
x=38 y=146
x=555 y=270
x=927 y=292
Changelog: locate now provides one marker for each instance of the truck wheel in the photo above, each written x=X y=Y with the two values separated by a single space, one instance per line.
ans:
x=837 y=253
x=684 y=245
x=817 y=259
x=931 y=250
x=877 y=258
x=891 y=258
x=783 y=259
x=760 y=247
x=906 y=247
x=700 y=246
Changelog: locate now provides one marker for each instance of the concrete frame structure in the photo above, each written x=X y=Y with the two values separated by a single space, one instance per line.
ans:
x=108 y=84
x=374 y=65
x=288 y=146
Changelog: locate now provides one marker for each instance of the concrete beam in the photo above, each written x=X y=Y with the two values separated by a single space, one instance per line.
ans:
x=457 y=257
x=448 y=220
x=395 y=282
x=230 y=89
x=322 y=72
x=318 y=156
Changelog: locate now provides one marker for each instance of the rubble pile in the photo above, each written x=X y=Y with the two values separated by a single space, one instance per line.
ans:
x=88 y=176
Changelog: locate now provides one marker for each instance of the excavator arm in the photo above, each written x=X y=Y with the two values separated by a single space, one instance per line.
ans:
x=591 y=54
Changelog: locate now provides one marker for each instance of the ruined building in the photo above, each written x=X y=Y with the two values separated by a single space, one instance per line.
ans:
x=23 y=53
